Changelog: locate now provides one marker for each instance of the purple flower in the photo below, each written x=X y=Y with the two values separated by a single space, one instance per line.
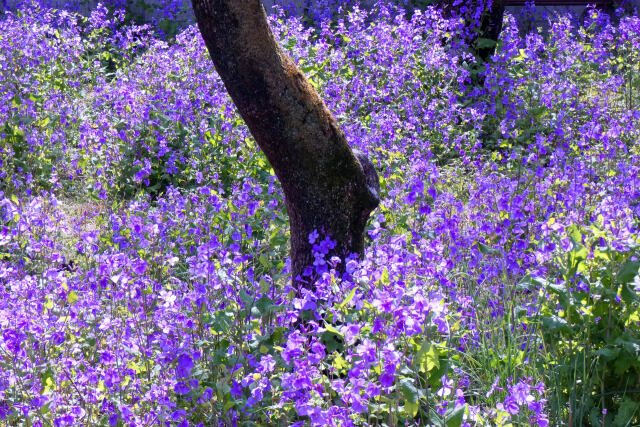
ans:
x=510 y=405
x=236 y=390
x=184 y=366
x=178 y=415
x=267 y=363
x=206 y=395
x=386 y=379
x=447 y=387
x=351 y=333
x=113 y=419
x=140 y=267
x=182 y=388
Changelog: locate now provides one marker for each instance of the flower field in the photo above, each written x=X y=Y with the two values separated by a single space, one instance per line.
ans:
x=144 y=271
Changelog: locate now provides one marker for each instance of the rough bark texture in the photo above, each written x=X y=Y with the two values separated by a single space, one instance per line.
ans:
x=490 y=24
x=490 y=27
x=327 y=186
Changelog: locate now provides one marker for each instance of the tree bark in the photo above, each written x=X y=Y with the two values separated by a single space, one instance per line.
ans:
x=489 y=26
x=328 y=188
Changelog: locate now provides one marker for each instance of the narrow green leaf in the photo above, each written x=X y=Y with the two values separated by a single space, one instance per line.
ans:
x=332 y=329
x=486 y=249
x=347 y=299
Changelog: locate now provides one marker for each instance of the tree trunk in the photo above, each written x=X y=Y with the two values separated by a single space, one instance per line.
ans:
x=328 y=187
x=488 y=27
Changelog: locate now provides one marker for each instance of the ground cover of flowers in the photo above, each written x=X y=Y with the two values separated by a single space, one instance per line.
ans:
x=143 y=237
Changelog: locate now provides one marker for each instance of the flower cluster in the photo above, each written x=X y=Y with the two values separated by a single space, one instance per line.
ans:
x=143 y=236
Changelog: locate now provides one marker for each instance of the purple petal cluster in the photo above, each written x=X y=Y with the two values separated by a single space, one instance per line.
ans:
x=143 y=236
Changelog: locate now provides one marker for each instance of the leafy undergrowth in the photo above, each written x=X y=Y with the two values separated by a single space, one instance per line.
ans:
x=143 y=236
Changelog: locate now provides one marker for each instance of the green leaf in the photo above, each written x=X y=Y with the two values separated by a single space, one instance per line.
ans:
x=221 y=321
x=228 y=406
x=628 y=272
x=411 y=408
x=486 y=249
x=483 y=43
x=525 y=284
x=426 y=359
x=555 y=324
x=339 y=363
x=628 y=296
x=72 y=297
x=266 y=306
x=578 y=253
x=608 y=353
x=332 y=341
x=333 y=330
x=560 y=289
x=628 y=409
x=246 y=298
x=575 y=236
x=348 y=298
x=47 y=379
x=455 y=416
x=409 y=390
x=264 y=262
x=384 y=278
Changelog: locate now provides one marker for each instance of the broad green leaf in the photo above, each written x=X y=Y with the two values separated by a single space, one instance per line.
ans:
x=72 y=297
x=455 y=416
x=384 y=279
x=411 y=408
x=483 y=43
x=560 y=289
x=626 y=412
x=526 y=283
x=266 y=306
x=228 y=406
x=409 y=391
x=628 y=272
x=578 y=253
x=426 y=358
x=339 y=363
x=628 y=295
x=576 y=236
x=555 y=324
